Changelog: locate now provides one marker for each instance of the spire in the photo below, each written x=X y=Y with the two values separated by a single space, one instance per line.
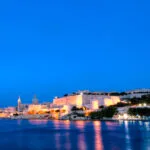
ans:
x=19 y=104
x=19 y=100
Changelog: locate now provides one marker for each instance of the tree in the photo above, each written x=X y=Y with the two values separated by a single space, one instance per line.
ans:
x=120 y=104
x=74 y=108
x=139 y=111
x=15 y=114
x=143 y=99
x=115 y=94
x=101 y=106
x=123 y=93
x=108 y=112
x=65 y=95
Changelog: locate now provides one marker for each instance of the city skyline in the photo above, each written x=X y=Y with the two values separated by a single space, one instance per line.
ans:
x=35 y=99
x=55 y=47
x=74 y=74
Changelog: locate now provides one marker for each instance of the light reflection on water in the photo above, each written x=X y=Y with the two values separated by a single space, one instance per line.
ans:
x=81 y=141
x=57 y=139
x=81 y=136
x=19 y=122
x=127 y=135
x=67 y=124
x=70 y=135
x=147 y=125
x=67 y=135
x=38 y=122
x=98 y=137
x=56 y=124
x=57 y=135
x=68 y=142
x=80 y=125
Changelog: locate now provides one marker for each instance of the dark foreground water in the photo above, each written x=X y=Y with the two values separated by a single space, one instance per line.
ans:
x=79 y=135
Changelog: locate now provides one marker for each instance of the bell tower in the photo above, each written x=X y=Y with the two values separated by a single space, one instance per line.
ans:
x=19 y=104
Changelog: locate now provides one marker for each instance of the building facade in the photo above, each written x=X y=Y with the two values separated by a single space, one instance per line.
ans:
x=91 y=101
x=138 y=93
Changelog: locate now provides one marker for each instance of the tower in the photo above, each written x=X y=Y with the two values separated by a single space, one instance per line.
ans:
x=35 y=100
x=19 y=104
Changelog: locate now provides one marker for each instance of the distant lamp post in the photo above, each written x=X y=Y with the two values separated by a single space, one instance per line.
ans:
x=144 y=104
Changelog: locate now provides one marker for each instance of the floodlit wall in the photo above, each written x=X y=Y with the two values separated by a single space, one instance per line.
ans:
x=115 y=99
x=105 y=100
x=34 y=108
x=111 y=100
x=95 y=104
x=84 y=100
x=108 y=102
x=75 y=100
x=10 y=109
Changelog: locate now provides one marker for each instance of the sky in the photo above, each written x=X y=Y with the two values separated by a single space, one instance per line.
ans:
x=53 y=47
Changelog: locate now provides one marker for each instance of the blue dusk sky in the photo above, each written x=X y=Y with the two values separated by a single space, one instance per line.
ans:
x=53 y=47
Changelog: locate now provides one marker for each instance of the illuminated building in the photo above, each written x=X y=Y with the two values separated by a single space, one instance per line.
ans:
x=10 y=110
x=37 y=109
x=137 y=93
x=4 y=115
x=89 y=100
x=75 y=100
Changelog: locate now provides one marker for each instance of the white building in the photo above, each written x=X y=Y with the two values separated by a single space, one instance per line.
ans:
x=89 y=100
x=138 y=93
